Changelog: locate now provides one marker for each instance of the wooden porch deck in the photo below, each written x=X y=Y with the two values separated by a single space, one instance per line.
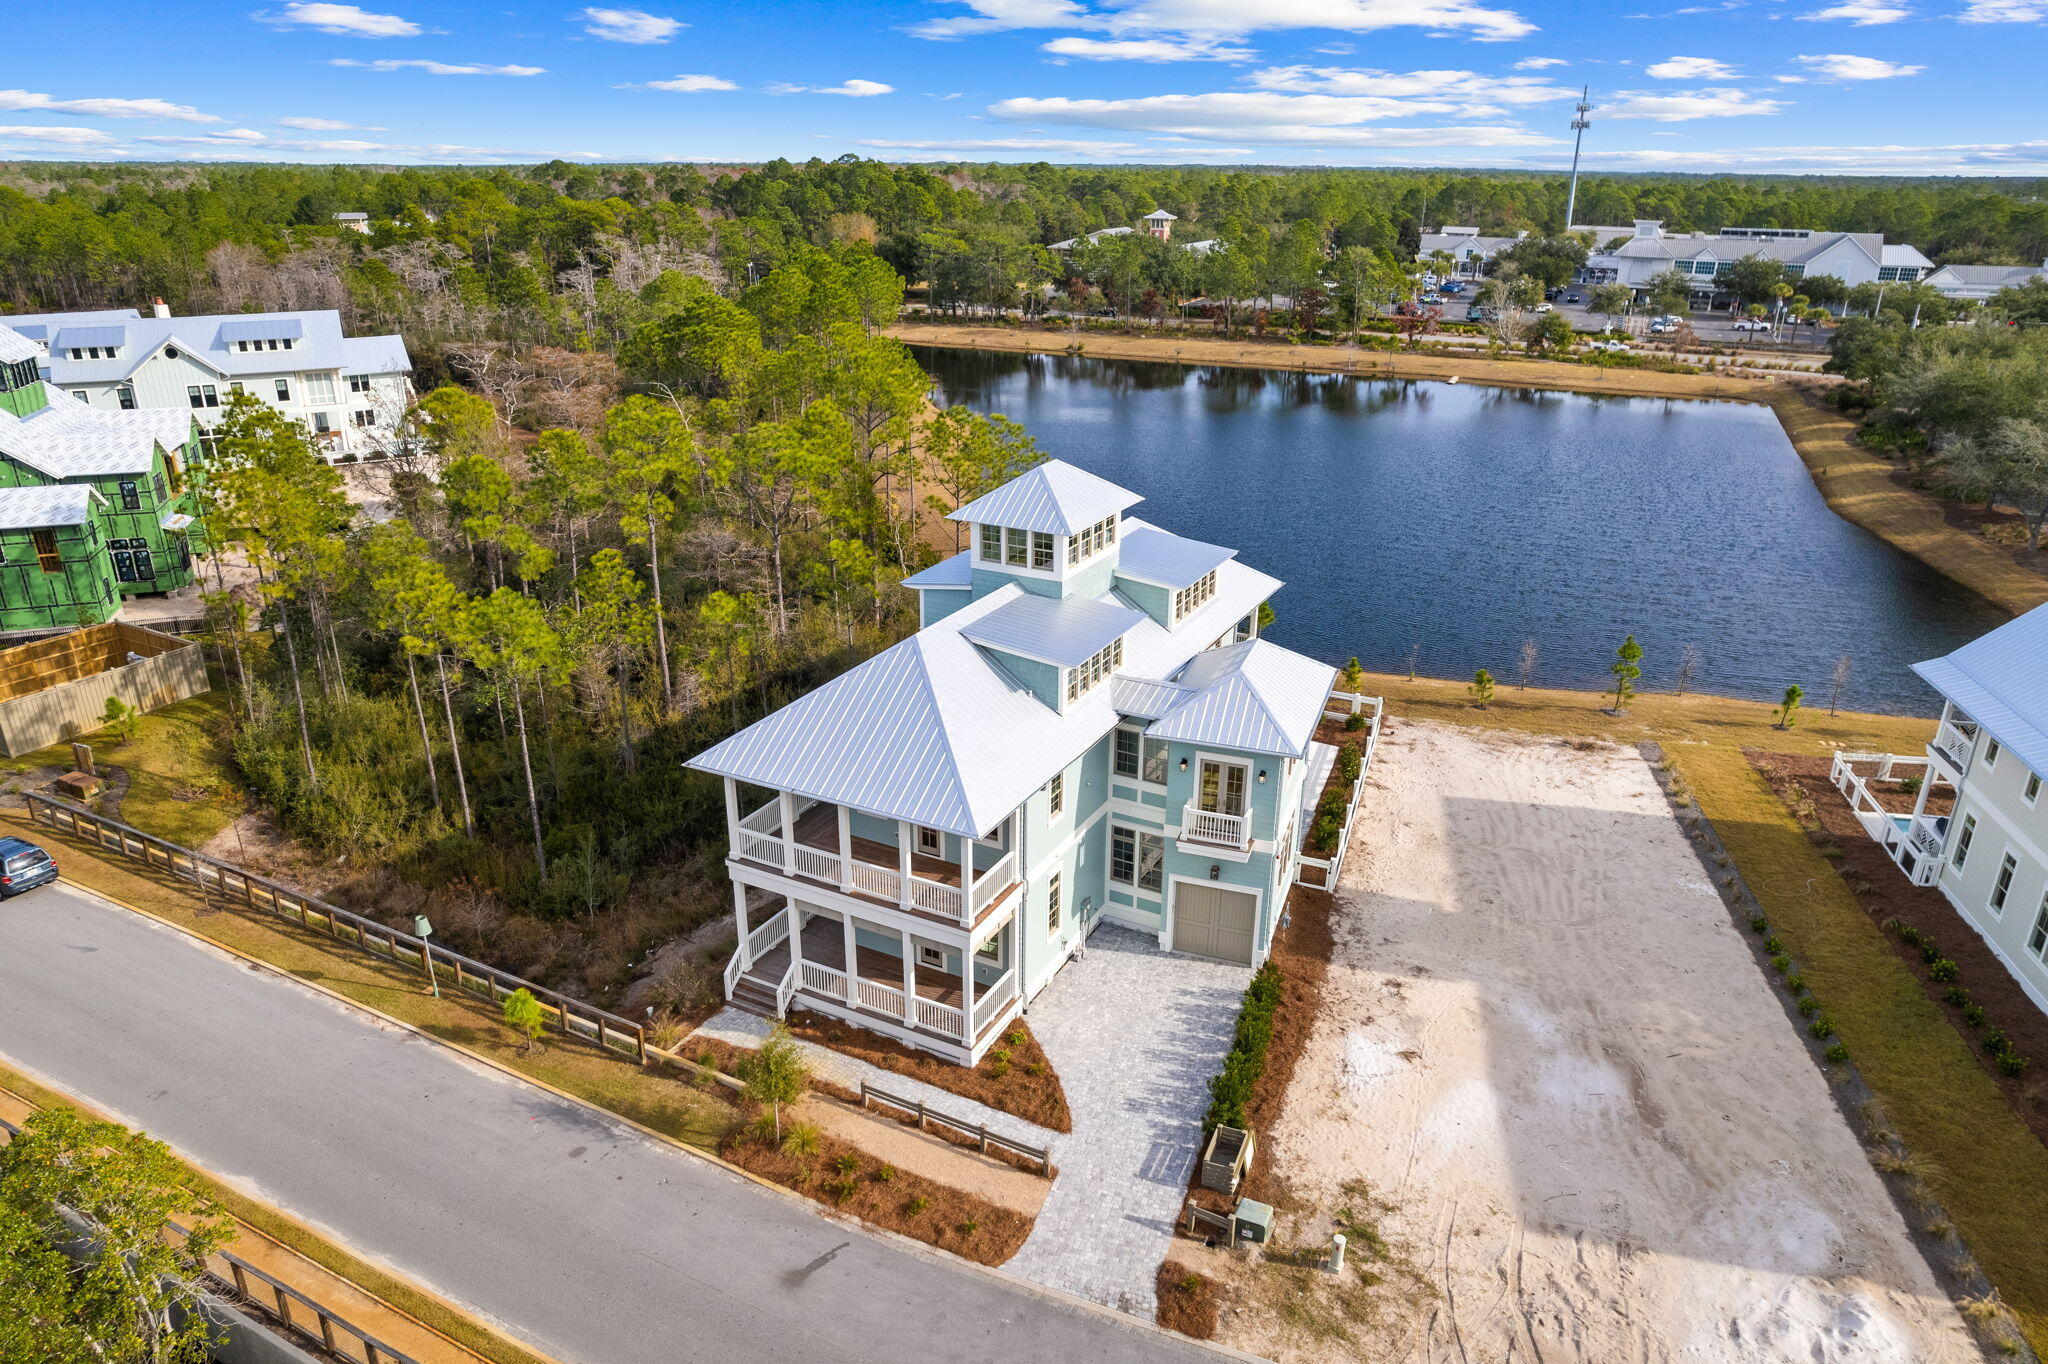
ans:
x=818 y=827
x=825 y=944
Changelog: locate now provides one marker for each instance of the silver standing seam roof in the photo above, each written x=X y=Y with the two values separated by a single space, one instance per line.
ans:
x=1252 y=696
x=2000 y=680
x=317 y=343
x=1056 y=497
x=1065 y=633
x=1151 y=555
x=954 y=572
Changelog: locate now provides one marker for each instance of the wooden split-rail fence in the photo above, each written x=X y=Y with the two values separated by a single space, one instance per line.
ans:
x=926 y=1115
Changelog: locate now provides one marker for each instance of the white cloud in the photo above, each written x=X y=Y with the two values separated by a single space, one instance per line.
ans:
x=1269 y=119
x=1149 y=50
x=858 y=89
x=1841 y=66
x=439 y=68
x=1955 y=159
x=1229 y=18
x=1712 y=102
x=1862 y=13
x=324 y=125
x=629 y=25
x=1690 y=69
x=58 y=137
x=2003 y=12
x=105 y=108
x=1041 y=147
x=1460 y=86
x=684 y=85
x=1539 y=63
x=349 y=21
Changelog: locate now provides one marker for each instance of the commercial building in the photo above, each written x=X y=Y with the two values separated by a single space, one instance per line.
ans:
x=1978 y=283
x=1647 y=251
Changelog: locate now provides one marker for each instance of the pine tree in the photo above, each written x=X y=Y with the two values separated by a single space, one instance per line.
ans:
x=1626 y=669
x=1481 y=689
x=1788 y=710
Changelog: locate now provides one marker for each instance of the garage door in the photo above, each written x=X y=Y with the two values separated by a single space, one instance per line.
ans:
x=1210 y=921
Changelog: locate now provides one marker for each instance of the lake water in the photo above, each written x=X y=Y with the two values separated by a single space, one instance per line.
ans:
x=1454 y=521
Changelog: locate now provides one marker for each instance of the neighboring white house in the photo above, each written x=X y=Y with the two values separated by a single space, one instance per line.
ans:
x=1158 y=223
x=1852 y=257
x=1086 y=728
x=1976 y=283
x=1470 y=252
x=351 y=392
x=354 y=222
x=1989 y=853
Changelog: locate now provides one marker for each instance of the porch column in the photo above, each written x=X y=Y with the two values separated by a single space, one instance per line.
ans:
x=845 y=850
x=739 y=914
x=967 y=881
x=787 y=809
x=852 y=961
x=1920 y=796
x=967 y=956
x=796 y=941
x=909 y=980
x=732 y=815
x=903 y=837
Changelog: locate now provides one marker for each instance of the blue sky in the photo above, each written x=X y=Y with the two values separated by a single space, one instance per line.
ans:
x=1852 y=86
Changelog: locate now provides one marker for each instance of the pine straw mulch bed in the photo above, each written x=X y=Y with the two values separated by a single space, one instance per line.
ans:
x=846 y=1179
x=1302 y=950
x=1333 y=733
x=1189 y=1302
x=1015 y=1077
x=1801 y=781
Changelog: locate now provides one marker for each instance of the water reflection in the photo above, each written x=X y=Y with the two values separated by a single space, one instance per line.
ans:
x=1453 y=522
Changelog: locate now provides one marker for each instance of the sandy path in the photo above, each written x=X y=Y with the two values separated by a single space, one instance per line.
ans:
x=1545 y=1044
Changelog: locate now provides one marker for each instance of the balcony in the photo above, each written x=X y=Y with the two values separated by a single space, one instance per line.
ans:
x=873 y=870
x=1913 y=838
x=1952 y=743
x=1215 y=828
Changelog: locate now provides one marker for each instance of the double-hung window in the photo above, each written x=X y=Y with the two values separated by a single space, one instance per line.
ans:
x=2032 y=791
x=1991 y=752
x=1086 y=677
x=992 y=544
x=2001 y=886
x=1016 y=547
x=1056 y=794
x=359 y=383
x=1963 y=840
x=1052 y=906
x=1041 y=550
x=131 y=496
x=202 y=395
x=1194 y=596
x=125 y=395
x=284 y=390
x=1128 y=744
x=2037 y=941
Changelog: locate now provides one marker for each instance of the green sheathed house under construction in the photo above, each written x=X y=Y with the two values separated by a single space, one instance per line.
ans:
x=95 y=506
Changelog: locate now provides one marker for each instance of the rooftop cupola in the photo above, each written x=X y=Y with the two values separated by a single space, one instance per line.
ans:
x=1052 y=530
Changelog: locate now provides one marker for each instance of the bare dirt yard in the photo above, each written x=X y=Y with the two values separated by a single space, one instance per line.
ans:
x=1556 y=1104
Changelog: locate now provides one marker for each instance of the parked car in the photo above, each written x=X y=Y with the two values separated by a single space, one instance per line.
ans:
x=1451 y=286
x=1545 y=308
x=1573 y=298
x=1553 y=294
x=1432 y=299
x=1617 y=347
x=23 y=866
x=1480 y=313
x=1752 y=324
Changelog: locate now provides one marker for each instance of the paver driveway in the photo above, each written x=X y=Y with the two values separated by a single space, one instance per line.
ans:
x=1135 y=1033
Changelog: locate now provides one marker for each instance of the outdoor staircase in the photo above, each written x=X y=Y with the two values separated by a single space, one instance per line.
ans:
x=755 y=995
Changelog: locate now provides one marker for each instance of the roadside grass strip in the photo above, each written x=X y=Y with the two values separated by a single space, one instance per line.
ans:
x=1979 y=1160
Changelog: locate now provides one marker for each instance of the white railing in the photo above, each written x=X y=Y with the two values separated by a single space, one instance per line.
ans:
x=771 y=932
x=766 y=820
x=760 y=848
x=993 y=882
x=1212 y=826
x=883 y=999
x=1954 y=741
x=869 y=879
x=1927 y=839
x=939 y=1017
x=1915 y=846
x=1342 y=704
x=1329 y=869
x=823 y=980
x=734 y=969
x=784 y=989
x=934 y=898
x=991 y=1002
x=817 y=864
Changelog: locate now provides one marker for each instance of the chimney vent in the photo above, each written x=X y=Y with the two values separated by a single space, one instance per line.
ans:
x=160 y=309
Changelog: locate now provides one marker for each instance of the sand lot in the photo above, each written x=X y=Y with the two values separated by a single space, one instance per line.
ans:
x=1549 y=1052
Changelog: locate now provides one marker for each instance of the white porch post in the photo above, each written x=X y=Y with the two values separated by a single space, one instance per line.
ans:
x=852 y=961
x=796 y=942
x=739 y=914
x=967 y=993
x=903 y=837
x=967 y=881
x=787 y=809
x=845 y=849
x=909 y=980
x=732 y=815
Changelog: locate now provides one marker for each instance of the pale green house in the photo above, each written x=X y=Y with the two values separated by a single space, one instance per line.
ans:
x=1087 y=729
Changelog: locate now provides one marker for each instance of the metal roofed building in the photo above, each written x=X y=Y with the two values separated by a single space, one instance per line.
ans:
x=1977 y=283
x=1852 y=257
x=349 y=392
x=1087 y=728
x=1989 y=754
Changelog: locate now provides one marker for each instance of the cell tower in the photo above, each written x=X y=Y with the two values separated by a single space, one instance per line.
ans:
x=1579 y=125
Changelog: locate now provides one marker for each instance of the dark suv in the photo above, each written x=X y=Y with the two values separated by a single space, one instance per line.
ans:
x=23 y=866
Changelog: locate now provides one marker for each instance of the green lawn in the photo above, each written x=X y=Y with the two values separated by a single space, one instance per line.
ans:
x=182 y=785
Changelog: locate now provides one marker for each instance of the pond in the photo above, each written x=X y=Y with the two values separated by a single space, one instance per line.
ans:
x=1450 y=523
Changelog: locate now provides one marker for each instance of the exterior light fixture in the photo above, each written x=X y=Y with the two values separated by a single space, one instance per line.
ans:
x=1215 y=872
x=1183 y=764
x=1262 y=776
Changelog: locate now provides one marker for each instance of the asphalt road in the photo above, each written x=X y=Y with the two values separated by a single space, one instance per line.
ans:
x=591 y=1241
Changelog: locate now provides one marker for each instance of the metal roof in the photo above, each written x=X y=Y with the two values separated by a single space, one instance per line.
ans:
x=956 y=572
x=210 y=340
x=1142 y=698
x=14 y=347
x=1055 y=496
x=2000 y=680
x=70 y=337
x=1151 y=555
x=374 y=355
x=67 y=439
x=1255 y=697
x=278 y=327
x=1065 y=632
x=60 y=504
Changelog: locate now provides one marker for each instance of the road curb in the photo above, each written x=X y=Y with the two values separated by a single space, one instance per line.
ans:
x=910 y=1244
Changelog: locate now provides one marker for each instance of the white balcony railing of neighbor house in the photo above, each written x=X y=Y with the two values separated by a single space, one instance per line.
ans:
x=1953 y=742
x=772 y=931
x=1213 y=826
x=1914 y=843
x=759 y=839
x=991 y=883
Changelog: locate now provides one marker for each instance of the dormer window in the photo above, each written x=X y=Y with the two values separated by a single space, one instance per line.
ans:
x=1194 y=596
x=1092 y=674
x=1017 y=548
x=93 y=352
x=1092 y=540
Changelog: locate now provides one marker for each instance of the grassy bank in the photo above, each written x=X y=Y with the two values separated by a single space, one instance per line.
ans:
x=175 y=778
x=1987 y=1169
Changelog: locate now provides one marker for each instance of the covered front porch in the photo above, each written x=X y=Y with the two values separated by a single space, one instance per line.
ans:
x=900 y=983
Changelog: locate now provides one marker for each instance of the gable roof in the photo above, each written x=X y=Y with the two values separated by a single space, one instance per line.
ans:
x=1056 y=497
x=60 y=504
x=67 y=439
x=2000 y=680
x=14 y=347
x=1254 y=696
x=1148 y=554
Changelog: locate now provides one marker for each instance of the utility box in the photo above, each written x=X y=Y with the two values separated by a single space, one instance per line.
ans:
x=1253 y=1221
x=1226 y=1158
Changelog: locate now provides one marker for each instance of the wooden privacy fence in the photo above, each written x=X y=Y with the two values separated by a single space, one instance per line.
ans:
x=57 y=688
x=258 y=893
x=286 y=1306
x=981 y=1134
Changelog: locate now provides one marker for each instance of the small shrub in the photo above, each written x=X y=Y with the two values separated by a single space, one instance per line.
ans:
x=1349 y=764
x=1891 y=923
x=917 y=1205
x=800 y=1140
x=845 y=1163
x=1796 y=983
x=999 y=1069
x=1000 y=1055
x=1996 y=1042
x=1837 y=1053
x=1910 y=935
x=884 y=1173
x=1808 y=1005
x=1036 y=1068
x=2012 y=1063
x=1957 y=995
x=1758 y=923
x=708 y=1059
x=1781 y=963
x=763 y=1129
x=1822 y=1026
x=1772 y=945
x=840 y=1189
x=1930 y=950
x=1941 y=969
x=1354 y=723
x=969 y=1227
x=1231 y=1089
x=1016 y=1037
x=1974 y=1015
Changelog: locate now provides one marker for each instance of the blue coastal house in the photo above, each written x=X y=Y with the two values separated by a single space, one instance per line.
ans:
x=1087 y=728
